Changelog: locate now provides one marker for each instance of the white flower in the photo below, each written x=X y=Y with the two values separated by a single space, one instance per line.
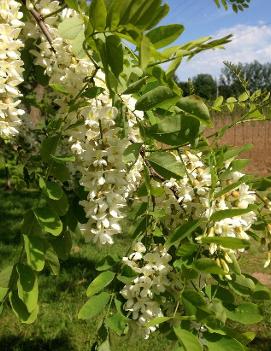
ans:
x=10 y=67
x=152 y=269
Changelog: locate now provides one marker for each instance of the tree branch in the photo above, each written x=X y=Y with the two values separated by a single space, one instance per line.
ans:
x=40 y=21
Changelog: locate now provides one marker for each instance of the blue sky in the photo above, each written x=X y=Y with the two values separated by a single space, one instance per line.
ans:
x=251 y=30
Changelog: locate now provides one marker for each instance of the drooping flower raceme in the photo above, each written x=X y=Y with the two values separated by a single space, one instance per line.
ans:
x=10 y=67
x=96 y=143
x=198 y=199
x=142 y=294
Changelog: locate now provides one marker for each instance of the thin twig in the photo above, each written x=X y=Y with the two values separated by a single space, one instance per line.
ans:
x=55 y=12
x=40 y=21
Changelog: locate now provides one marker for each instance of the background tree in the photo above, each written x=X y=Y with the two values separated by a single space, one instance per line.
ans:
x=205 y=86
x=257 y=75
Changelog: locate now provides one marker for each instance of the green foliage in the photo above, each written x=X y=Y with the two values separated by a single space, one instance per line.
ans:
x=160 y=97
x=187 y=339
x=207 y=265
x=35 y=250
x=182 y=232
x=236 y=5
x=206 y=288
x=165 y=35
x=49 y=220
x=166 y=165
x=174 y=129
x=27 y=287
x=95 y=305
x=100 y=282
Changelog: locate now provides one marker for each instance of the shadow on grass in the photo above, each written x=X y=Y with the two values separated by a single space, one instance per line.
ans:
x=74 y=263
x=13 y=206
x=17 y=343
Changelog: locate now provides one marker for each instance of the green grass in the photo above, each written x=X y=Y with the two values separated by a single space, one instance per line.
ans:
x=57 y=327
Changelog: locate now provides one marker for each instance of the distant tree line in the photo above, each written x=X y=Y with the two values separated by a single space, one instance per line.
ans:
x=256 y=75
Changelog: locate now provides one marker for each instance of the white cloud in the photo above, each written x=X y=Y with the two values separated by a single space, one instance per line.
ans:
x=249 y=43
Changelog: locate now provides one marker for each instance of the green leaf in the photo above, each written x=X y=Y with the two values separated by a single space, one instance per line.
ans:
x=261 y=292
x=30 y=224
x=182 y=232
x=106 y=263
x=94 y=306
x=20 y=309
x=63 y=159
x=230 y=187
x=174 y=64
x=62 y=244
x=100 y=282
x=174 y=129
x=195 y=107
x=216 y=342
x=165 y=35
x=53 y=261
x=3 y=293
x=92 y=92
x=228 y=242
x=243 y=97
x=60 y=206
x=161 y=97
x=71 y=27
x=114 y=51
x=59 y=171
x=49 y=220
x=188 y=340
x=145 y=52
x=186 y=249
x=73 y=4
x=262 y=183
x=136 y=86
x=35 y=249
x=242 y=285
x=27 y=284
x=156 y=321
x=166 y=165
x=48 y=147
x=233 y=152
x=98 y=14
x=245 y=313
x=192 y=300
x=218 y=102
x=131 y=153
x=117 y=322
x=222 y=214
x=51 y=189
x=105 y=346
x=5 y=276
x=58 y=88
x=161 y=12
x=207 y=265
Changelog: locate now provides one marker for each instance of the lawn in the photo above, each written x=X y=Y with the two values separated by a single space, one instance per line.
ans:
x=57 y=327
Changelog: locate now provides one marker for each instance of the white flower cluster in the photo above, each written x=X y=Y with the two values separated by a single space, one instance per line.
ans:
x=60 y=63
x=104 y=174
x=10 y=67
x=198 y=201
x=152 y=279
x=96 y=143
